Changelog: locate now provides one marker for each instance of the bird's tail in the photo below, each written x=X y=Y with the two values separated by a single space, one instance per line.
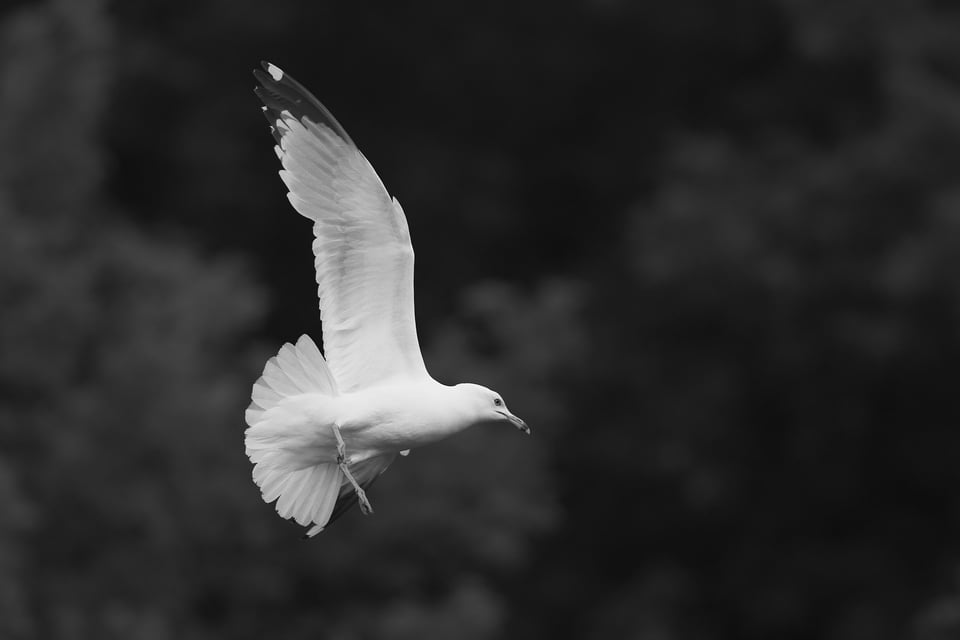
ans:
x=279 y=441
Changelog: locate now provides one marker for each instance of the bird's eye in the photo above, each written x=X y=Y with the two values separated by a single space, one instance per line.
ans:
x=498 y=402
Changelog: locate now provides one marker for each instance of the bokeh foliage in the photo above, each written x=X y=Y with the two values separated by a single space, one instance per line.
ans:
x=709 y=250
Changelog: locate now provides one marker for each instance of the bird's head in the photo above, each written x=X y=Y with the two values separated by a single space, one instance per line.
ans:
x=487 y=406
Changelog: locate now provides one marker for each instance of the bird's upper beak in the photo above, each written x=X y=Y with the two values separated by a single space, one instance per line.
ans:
x=517 y=422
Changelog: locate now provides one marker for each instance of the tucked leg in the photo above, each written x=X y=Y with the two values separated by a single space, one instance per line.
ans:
x=365 y=507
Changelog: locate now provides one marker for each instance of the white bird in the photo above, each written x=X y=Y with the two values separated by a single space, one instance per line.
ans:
x=321 y=431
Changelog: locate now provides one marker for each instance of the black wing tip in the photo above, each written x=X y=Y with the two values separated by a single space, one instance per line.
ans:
x=343 y=504
x=280 y=92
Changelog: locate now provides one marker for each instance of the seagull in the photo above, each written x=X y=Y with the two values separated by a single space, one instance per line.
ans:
x=321 y=430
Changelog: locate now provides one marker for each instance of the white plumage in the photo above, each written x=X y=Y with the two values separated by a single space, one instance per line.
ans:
x=322 y=430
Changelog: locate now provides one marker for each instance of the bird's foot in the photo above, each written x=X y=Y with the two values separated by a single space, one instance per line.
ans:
x=365 y=507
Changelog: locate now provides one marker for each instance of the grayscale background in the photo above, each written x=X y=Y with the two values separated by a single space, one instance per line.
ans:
x=709 y=250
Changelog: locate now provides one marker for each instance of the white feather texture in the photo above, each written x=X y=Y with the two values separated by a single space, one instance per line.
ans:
x=283 y=451
x=321 y=431
x=363 y=256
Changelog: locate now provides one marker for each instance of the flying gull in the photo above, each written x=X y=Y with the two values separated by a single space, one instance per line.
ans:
x=322 y=430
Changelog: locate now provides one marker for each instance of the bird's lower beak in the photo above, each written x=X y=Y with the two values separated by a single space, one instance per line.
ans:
x=517 y=422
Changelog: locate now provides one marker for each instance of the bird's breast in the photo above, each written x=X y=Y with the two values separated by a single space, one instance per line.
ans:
x=398 y=418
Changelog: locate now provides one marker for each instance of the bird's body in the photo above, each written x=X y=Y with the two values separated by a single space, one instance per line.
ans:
x=322 y=430
x=402 y=416
x=377 y=421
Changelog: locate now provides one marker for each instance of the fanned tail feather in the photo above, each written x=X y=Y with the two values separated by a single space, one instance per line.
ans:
x=280 y=445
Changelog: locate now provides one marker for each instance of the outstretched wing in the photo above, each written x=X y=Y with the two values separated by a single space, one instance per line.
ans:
x=362 y=249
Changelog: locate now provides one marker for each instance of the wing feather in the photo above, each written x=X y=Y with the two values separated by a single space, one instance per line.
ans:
x=362 y=251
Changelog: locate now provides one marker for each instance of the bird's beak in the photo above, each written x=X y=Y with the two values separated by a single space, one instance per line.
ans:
x=517 y=422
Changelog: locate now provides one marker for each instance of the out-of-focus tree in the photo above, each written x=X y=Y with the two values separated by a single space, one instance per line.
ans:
x=120 y=404
x=130 y=510
x=785 y=354
x=708 y=249
x=15 y=521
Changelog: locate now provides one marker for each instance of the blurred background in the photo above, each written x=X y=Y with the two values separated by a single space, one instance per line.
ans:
x=709 y=250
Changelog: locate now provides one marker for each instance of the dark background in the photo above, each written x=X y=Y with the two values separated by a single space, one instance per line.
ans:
x=709 y=250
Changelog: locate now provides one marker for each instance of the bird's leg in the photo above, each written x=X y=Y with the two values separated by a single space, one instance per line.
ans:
x=341 y=445
x=365 y=507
